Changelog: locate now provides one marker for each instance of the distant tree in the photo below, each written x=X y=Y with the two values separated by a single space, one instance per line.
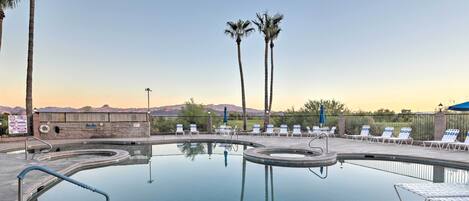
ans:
x=194 y=113
x=192 y=109
x=383 y=111
x=332 y=107
x=385 y=115
x=86 y=109
x=5 y=4
x=238 y=30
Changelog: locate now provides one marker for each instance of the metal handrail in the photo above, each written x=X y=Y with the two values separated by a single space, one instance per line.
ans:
x=34 y=138
x=322 y=134
x=23 y=173
x=321 y=176
x=235 y=132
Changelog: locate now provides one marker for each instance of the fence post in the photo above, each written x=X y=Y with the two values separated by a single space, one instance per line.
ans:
x=440 y=125
x=341 y=125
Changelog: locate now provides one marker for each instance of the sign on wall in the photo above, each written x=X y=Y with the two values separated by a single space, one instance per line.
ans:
x=17 y=124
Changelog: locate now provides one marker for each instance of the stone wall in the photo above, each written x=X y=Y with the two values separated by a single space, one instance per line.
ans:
x=88 y=128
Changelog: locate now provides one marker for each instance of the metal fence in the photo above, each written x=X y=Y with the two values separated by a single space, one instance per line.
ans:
x=459 y=121
x=422 y=124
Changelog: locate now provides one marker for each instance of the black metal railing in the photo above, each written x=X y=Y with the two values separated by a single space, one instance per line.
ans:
x=422 y=124
x=458 y=121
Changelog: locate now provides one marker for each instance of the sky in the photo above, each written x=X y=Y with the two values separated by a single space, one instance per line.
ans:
x=396 y=54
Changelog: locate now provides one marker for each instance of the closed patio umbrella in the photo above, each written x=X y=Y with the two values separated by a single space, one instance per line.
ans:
x=322 y=116
x=460 y=107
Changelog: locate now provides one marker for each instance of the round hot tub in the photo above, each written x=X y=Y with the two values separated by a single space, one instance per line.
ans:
x=290 y=157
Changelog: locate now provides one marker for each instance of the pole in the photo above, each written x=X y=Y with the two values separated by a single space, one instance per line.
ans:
x=20 y=190
x=26 y=149
x=148 y=90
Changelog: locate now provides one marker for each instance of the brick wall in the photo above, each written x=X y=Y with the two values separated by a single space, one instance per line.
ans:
x=93 y=125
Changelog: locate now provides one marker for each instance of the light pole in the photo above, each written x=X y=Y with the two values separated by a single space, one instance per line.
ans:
x=440 y=107
x=148 y=90
x=209 y=127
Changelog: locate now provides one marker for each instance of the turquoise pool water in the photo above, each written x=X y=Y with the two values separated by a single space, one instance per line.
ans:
x=215 y=172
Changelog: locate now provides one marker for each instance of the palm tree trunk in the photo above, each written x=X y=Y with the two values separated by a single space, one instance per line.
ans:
x=243 y=95
x=29 y=72
x=271 y=75
x=2 y=15
x=266 y=82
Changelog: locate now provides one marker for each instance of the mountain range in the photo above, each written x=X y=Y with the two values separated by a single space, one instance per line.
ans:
x=169 y=110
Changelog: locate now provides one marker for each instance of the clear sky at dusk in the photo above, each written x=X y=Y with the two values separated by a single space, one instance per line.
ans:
x=368 y=54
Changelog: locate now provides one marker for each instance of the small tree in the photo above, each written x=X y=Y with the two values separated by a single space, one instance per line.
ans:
x=332 y=107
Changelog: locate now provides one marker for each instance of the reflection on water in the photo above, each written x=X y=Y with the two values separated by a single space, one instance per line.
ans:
x=217 y=171
x=190 y=150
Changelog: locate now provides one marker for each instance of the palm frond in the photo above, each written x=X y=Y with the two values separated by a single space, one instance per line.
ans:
x=4 y=4
x=238 y=29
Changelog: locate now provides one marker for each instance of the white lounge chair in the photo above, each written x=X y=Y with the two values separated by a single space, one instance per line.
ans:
x=331 y=133
x=256 y=129
x=316 y=131
x=269 y=130
x=364 y=133
x=222 y=130
x=297 y=131
x=193 y=129
x=449 y=136
x=464 y=145
x=403 y=137
x=309 y=132
x=283 y=130
x=179 y=129
x=387 y=133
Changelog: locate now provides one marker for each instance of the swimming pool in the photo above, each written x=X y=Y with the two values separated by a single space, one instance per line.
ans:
x=214 y=172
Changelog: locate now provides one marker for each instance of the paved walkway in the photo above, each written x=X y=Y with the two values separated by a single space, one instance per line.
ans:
x=12 y=164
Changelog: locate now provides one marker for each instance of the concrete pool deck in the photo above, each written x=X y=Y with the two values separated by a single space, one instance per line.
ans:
x=12 y=164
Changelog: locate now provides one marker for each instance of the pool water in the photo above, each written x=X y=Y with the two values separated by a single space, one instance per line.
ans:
x=289 y=155
x=216 y=172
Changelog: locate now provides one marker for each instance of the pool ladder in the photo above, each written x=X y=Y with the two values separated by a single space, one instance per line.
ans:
x=35 y=138
x=55 y=174
x=321 y=149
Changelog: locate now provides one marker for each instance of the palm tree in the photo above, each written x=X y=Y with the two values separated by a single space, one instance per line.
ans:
x=238 y=30
x=263 y=25
x=269 y=27
x=5 y=4
x=274 y=32
x=29 y=71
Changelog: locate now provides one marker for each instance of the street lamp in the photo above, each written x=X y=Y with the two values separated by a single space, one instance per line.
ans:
x=209 y=126
x=148 y=90
x=440 y=107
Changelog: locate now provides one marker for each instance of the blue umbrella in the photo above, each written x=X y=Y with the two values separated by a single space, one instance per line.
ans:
x=460 y=107
x=225 y=116
x=322 y=115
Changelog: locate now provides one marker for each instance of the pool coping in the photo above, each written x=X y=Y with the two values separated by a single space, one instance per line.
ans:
x=313 y=158
x=115 y=157
x=354 y=154
x=217 y=138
